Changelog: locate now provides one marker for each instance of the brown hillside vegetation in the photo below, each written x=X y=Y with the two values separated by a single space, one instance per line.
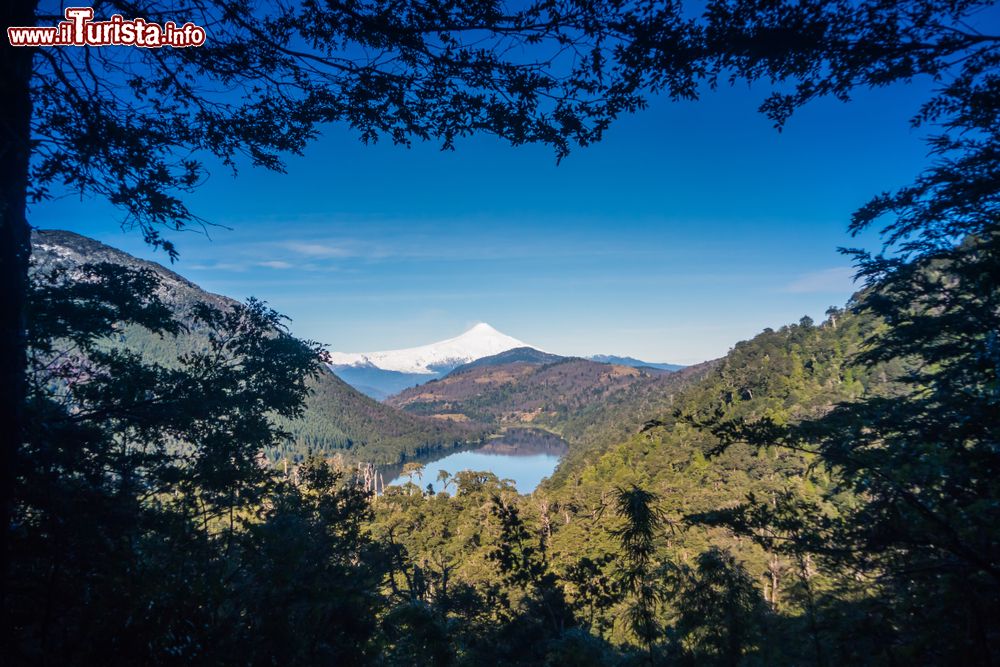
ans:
x=586 y=402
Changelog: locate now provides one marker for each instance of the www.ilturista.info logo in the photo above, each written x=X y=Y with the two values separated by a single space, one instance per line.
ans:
x=79 y=29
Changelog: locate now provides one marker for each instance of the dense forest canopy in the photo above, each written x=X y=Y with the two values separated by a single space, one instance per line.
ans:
x=826 y=494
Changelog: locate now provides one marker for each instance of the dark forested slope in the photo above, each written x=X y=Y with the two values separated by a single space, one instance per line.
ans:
x=337 y=419
x=674 y=452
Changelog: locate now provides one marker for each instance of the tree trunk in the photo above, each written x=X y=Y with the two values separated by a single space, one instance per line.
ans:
x=15 y=248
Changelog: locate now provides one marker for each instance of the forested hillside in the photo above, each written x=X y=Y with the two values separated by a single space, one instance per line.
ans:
x=705 y=534
x=797 y=372
x=337 y=418
x=657 y=459
x=586 y=402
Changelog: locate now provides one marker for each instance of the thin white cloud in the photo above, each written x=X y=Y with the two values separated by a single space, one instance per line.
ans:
x=839 y=279
x=276 y=264
x=218 y=266
x=318 y=250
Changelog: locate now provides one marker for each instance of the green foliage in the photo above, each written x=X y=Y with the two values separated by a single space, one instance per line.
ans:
x=136 y=478
x=920 y=463
x=642 y=520
x=306 y=577
x=335 y=419
x=720 y=611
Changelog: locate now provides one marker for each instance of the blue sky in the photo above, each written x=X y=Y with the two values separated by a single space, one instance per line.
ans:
x=690 y=227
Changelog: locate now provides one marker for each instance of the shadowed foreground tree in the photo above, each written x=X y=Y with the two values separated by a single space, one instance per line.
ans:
x=719 y=609
x=149 y=527
x=136 y=126
x=137 y=477
x=924 y=463
x=637 y=536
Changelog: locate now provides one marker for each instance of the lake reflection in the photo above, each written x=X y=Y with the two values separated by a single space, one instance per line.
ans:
x=525 y=456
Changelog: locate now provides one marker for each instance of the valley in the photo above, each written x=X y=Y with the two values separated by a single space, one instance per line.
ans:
x=472 y=388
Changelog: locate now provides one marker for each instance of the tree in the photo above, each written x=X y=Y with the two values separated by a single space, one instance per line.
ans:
x=413 y=469
x=521 y=559
x=719 y=610
x=921 y=461
x=925 y=460
x=306 y=583
x=444 y=477
x=135 y=126
x=642 y=521
x=138 y=477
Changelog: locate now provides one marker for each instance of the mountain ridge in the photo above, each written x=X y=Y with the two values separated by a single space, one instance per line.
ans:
x=338 y=418
x=585 y=402
x=383 y=374
x=518 y=354
x=634 y=363
x=479 y=341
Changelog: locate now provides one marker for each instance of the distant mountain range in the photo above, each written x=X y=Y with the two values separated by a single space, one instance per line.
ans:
x=634 y=363
x=482 y=340
x=383 y=374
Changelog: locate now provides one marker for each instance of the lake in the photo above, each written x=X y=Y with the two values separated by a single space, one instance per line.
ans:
x=523 y=455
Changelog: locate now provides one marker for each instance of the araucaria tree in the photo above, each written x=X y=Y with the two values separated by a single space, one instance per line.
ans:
x=642 y=521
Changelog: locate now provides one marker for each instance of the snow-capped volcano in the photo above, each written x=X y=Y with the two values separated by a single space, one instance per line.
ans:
x=480 y=341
